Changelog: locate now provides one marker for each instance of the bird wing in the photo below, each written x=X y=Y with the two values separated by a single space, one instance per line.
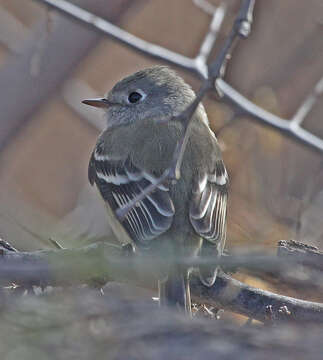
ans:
x=209 y=203
x=208 y=216
x=119 y=181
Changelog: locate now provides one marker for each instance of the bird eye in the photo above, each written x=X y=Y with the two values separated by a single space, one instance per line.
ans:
x=134 y=97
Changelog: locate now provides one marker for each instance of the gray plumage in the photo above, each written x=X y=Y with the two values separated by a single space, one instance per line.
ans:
x=176 y=220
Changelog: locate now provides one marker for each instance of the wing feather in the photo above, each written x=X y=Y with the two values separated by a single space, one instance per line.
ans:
x=208 y=205
x=208 y=216
x=119 y=182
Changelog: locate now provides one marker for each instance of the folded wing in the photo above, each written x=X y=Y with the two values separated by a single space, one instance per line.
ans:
x=119 y=182
x=208 y=215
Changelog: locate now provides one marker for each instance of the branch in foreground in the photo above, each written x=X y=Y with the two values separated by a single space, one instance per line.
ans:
x=98 y=263
x=290 y=127
x=296 y=265
x=240 y=28
x=85 y=324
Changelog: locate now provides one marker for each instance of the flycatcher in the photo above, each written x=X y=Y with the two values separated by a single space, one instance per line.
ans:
x=177 y=220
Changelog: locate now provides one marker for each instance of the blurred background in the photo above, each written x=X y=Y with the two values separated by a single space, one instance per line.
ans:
x=49 y=63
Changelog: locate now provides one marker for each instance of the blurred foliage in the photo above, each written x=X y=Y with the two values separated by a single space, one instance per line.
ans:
x=85 y=324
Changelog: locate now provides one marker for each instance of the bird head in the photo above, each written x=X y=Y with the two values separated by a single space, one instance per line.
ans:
x=153 y=93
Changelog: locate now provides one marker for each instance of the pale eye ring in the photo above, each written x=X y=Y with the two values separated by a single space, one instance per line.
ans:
x=135 y=96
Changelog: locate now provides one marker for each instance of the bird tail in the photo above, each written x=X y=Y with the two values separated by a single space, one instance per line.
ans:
x=175 y=291
x=208 y=273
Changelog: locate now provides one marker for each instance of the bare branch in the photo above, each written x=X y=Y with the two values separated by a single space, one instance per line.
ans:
x=305 y=254
x=122 y=212
x=32 y=91
x=233 y=295
x=13 y=33
x=307 y=105
x=205 y=6
x=249 y=108
x=242 y=22
x=75 y=89
x=99 y=263
x=211 y=36
x=196 y=67
x=125 y=37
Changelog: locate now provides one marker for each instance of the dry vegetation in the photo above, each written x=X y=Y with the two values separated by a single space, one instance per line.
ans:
x=49 y=61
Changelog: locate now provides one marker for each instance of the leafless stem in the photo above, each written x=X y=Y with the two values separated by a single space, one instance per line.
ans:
x=205 y=6
x=198 y=67
x=265 y=116
x=126 y=38
x=307 y=105
x=186 y=117
x=233 y=295
x=211 y=35
x=99 y=262
x=122 y=212
x=305 y=254
x=241 y=27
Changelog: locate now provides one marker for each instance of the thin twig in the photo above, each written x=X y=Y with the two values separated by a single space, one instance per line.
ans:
x=265 y=116
x=186 y=116
x=55 y=243
x=125 y=37
x=205 y=6
x=99 y=263
x=303 y=253
x=122 y=212
x=196 y=67
x=211 y=36
x=215 y=70
x=307 y=105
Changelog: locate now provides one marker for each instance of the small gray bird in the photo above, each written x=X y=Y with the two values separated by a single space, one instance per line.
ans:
x=184 y=219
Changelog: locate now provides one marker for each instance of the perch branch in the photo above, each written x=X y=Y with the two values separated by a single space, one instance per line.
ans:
x=291 y=127
x=98 y=263
x=238 y=297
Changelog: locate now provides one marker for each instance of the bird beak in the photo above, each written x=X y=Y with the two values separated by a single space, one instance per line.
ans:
x=98 y=103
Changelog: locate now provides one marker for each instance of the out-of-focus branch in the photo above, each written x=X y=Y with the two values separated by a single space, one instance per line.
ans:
x=258 y=113
x=89 y=325
x=196 y=66
x=205 y=6
x=12 y=32
x=75 y=89
x=40 y=68
x=211 y=36
x=98 y=263
x=307 y=105
x=297 y=265
x=304 y=254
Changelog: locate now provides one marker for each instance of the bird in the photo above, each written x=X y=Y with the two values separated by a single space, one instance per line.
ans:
x=178 y=220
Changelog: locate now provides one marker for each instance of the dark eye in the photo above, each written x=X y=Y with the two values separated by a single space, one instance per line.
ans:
x=134 y=97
